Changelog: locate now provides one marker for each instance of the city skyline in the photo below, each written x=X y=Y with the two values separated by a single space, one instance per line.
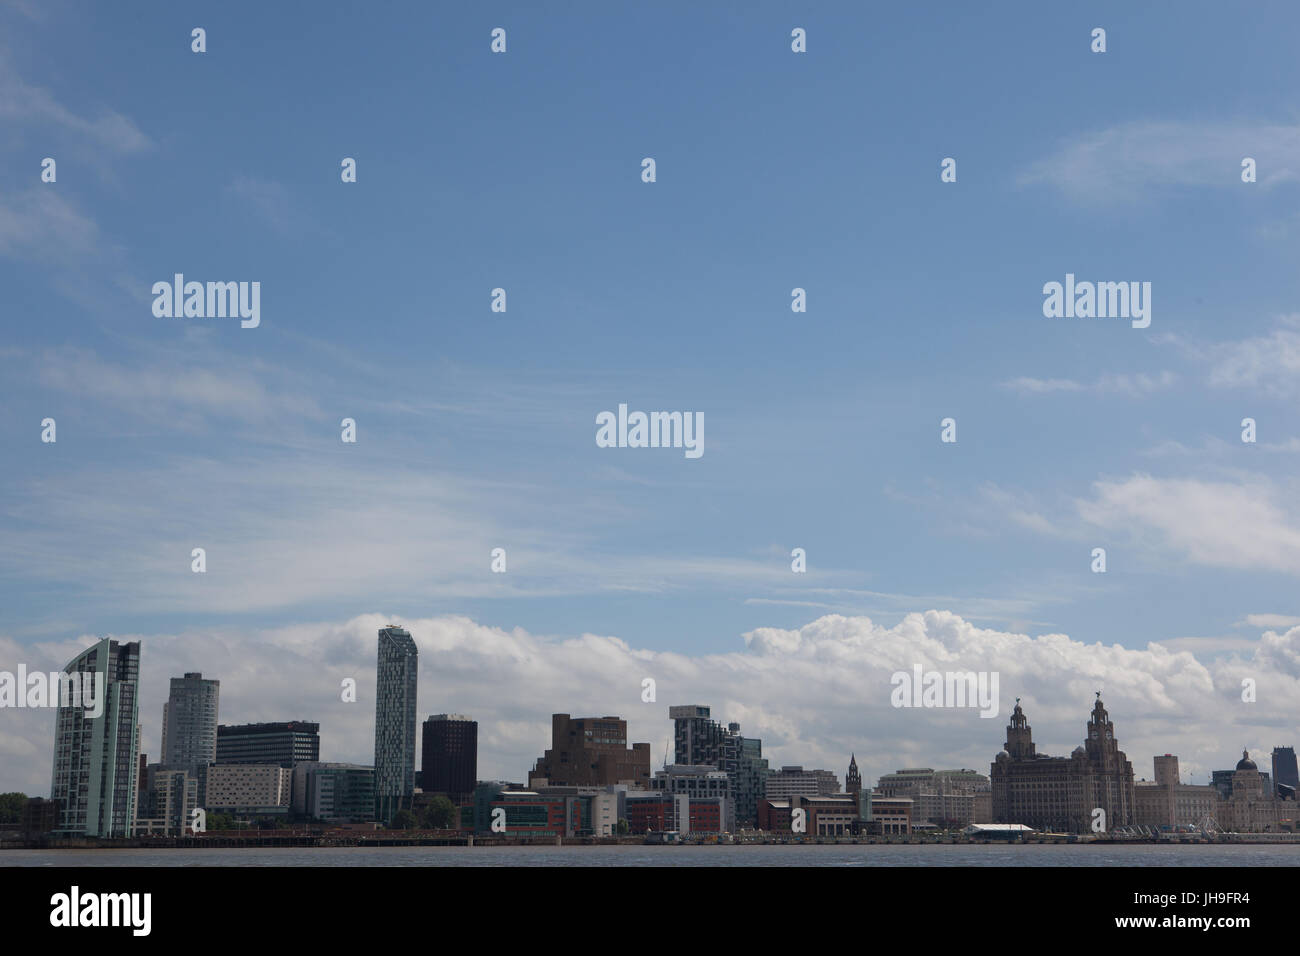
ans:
x=383 y=444
x=887 y=762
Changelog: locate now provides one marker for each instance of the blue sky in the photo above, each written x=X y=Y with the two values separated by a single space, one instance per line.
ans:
x=775 y=170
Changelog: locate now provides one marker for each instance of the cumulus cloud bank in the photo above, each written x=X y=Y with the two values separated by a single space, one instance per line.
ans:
x=814 y=694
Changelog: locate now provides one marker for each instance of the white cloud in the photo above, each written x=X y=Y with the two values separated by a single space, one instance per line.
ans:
x=1135 y=385
x=110 y=130
x=173 y=391
x=1127 y=161
x=814 y=694
x=1268 y=620
x=296 y=527
x=1249 y=524
x=40 y=223
x=266 y=199
x=1043 y=386
x=1270 y=362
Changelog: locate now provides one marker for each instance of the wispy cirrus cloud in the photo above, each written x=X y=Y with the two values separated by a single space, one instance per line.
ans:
x=266 y=199
x=1130 y=160
x=288 y=528
x=107 y=130
x=1269 y=363
x=1269 y=620
x=39 y=223
x=160 y=388
x=1131 y=385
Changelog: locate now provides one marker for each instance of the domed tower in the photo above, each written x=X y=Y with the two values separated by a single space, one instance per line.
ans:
x=1246 y=778
x=1020 y=738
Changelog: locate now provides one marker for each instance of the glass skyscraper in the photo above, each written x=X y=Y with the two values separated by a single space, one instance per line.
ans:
x=394 y=723
x=95 y=765
x=189 y=736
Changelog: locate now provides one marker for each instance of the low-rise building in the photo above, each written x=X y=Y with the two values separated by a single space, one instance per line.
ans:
x=839 y=814
x=549 y=811
x=661 y=810
x=334 y=792
x=699 y=783
x=169 y=801
x=798 y=782
x=942 y=798
x=256 y=789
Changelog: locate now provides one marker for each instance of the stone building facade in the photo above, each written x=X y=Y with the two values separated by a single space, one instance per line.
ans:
x=1061 y=794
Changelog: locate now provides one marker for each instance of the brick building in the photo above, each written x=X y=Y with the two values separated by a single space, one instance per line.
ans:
x=591 y=752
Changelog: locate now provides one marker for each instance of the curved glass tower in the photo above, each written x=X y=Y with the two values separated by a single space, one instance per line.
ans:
x=95 y=756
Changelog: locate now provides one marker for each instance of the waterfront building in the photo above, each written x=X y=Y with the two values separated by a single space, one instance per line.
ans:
x=334 y=792
x=141 y=777
x=662 y=810
x=841 y=814
x=550 y=811
x=95 y=776
x=1060 y=794
x=798 y=782
x=285 y=743
x=40 y=816
x=449 y=756
x=485 y=793
x=1168 y=802
x=249 y=789
x=1286 y=776
x=1253 y=806
x=591 y=752
x=940 y=798
x=189 y=728
x=395 y=690
x=699 y=740
x=170 y=798
x=853 y=779
x=698 y=783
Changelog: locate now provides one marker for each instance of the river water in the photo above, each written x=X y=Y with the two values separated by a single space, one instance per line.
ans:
x=1198 y=855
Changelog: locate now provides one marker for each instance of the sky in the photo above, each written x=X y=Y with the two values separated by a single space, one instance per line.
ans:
x=475 y=429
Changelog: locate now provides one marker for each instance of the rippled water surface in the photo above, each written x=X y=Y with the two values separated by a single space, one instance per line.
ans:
x=813 y=855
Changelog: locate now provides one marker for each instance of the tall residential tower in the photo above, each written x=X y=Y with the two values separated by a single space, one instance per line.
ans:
x=394 y=723
x=96 y=749
x=189 y=735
